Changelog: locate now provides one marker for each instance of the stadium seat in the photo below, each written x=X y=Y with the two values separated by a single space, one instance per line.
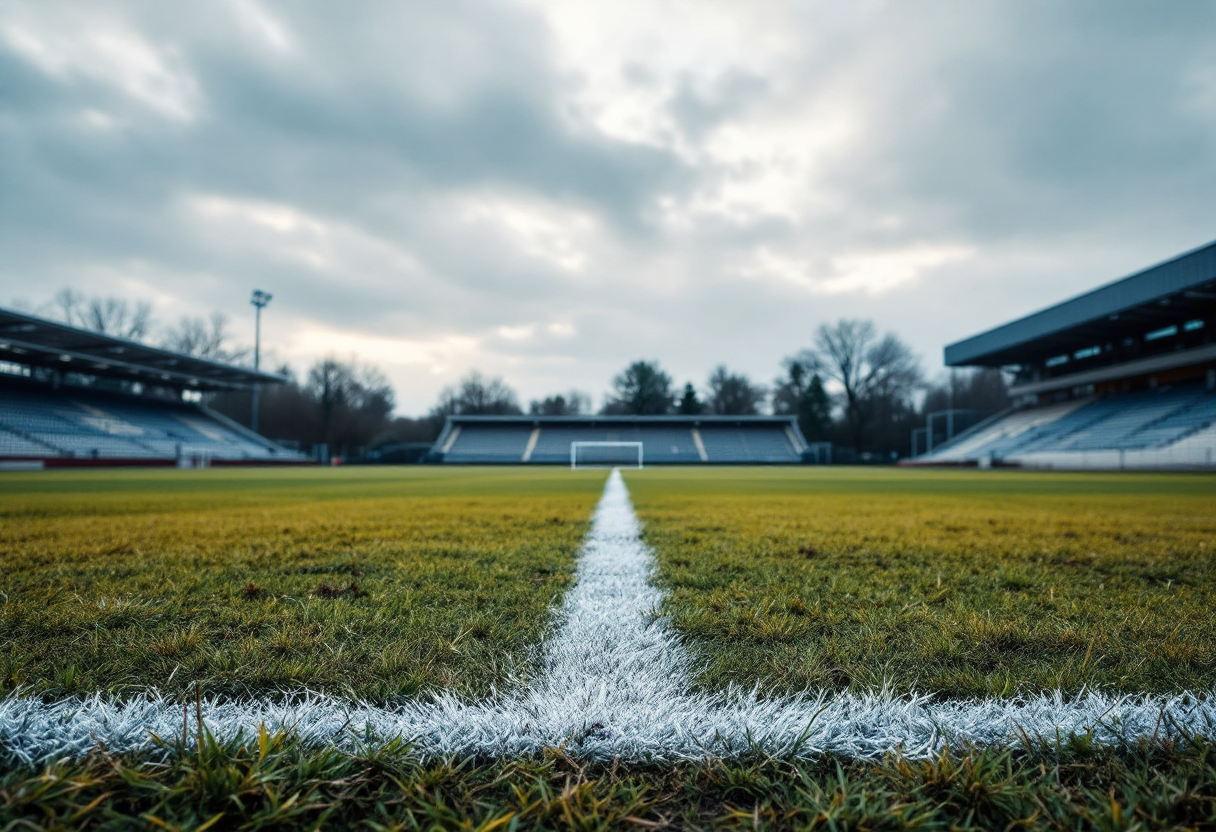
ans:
x=665 y=441
x=92 y=424
x=1145 y=421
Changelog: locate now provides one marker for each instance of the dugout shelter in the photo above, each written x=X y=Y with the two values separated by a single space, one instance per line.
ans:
x=72 y=397
x=1123 y=376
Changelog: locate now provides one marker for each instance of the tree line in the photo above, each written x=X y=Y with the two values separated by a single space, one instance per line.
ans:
x=852 y=386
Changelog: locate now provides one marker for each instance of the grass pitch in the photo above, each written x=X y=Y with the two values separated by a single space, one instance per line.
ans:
x=371 y=582
x=945 y=582
x=392 y=582
x=270 y=781
x=387 y=582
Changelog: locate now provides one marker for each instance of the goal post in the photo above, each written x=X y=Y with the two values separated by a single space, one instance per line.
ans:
x=605 y=454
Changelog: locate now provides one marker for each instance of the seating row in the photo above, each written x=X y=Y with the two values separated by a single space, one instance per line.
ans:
x=90 y=424
x=662 y=444
x=1145 y=420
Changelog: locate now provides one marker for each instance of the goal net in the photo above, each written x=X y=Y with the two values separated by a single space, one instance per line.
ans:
x=605 y=454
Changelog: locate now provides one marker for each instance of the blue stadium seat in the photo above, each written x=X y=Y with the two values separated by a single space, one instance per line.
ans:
x=90 y=424
x=1149 y=419
x=664 y=441
x=489 y=444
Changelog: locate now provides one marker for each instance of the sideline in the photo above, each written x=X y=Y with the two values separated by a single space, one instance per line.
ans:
x=614 y=685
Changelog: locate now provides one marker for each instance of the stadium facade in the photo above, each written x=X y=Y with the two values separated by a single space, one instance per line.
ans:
x=663 y=440
x=1123 y=376
x=71 y=397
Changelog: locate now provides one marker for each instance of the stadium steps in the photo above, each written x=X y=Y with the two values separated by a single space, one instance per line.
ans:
x=489 y=444
x=975 y=435
x=795 y=441
x=150 y=433
x=532 y=440
x=739 y=445
x=1181 y=424
x=699 y=442
x=1127 y=421
x=1130 y=430
x=1067 y=428
x=663 y=442
x=1000 y=436
x=254 y=444
x=1124 y=418
x=450 y=440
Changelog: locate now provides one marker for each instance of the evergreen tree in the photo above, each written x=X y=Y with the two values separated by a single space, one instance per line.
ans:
x=800 y=393
x=689 y=404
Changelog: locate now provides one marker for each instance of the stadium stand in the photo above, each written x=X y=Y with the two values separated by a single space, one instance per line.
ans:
x=120 y=403
x=83 y=424
x=666 y=440
x=489 y=443
x=1121 y=377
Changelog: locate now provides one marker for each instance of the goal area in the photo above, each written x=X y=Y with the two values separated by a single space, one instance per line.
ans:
x=605 y=454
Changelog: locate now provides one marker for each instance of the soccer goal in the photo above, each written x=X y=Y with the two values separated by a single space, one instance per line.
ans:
x=605 y=454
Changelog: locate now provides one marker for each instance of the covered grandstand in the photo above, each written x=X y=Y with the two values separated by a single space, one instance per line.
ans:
x=1120 y=377
x=665 y=440
x=71 y=397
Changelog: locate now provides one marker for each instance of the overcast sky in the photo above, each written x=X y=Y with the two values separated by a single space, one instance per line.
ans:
x=548 y=189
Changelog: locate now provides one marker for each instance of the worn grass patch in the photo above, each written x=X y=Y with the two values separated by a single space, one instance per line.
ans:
x=373 y=583
x=954 y=583
x=270 y=780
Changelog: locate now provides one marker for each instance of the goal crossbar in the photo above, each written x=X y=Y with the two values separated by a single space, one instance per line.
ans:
x=575 y=447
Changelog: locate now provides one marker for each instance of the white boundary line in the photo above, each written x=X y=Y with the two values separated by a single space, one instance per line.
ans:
x=614 y=684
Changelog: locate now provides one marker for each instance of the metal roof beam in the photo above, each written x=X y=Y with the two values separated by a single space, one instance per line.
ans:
x=45 y=341
x=1155 y=293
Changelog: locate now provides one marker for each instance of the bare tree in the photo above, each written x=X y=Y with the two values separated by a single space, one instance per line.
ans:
x=204 y=338
x=733 y=394
x=870 y=370
x=353 y=401
x=345 y=404
x=106 y=315
x=69 y=305
x=983 y=390
x=574 y=403
x=475 y=395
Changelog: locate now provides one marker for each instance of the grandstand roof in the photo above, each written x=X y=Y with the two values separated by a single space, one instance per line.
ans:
x=1154 y=297
x=33 y=341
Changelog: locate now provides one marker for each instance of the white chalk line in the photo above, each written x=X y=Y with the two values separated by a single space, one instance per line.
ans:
x=614 y=684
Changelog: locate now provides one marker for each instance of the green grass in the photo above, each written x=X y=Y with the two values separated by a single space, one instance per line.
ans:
x=382 y=582
x=947 y=582
x=367 y=582
x=269 y=781
x=388 y=582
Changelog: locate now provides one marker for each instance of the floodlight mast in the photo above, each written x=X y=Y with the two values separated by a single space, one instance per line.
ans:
x=259 y=301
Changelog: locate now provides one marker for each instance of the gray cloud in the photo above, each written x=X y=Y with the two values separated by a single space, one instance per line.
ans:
x=447 y=185
x=699 y=111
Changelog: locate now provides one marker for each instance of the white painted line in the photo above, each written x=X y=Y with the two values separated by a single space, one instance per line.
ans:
x=614 y=684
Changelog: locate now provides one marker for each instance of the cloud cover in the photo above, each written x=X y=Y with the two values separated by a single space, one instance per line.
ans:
x=547 y=190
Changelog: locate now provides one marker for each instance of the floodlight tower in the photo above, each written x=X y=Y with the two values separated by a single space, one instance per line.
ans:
x=259 y=300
